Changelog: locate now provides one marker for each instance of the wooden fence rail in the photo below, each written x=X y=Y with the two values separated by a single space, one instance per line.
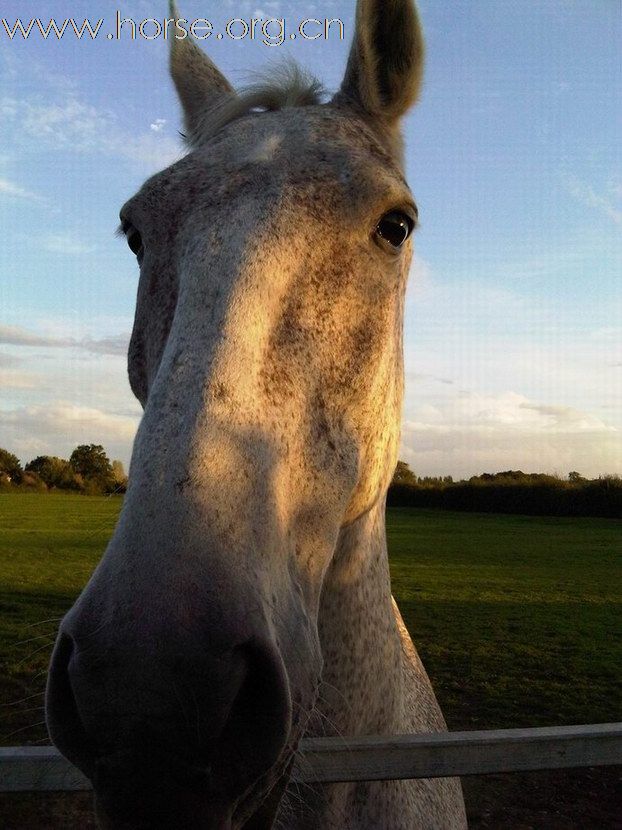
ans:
x=25 y=768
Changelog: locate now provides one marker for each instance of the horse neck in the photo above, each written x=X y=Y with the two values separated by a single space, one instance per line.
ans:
x=362 y=680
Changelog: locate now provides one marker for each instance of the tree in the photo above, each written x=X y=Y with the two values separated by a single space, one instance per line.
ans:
x=575 y=477
x=91 y=462
x=10 y=466
x=403 y=474
x=120 y=478
x=32 y=481
x=55 y=472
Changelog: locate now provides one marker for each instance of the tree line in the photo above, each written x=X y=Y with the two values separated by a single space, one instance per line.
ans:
x=513 y=491
x=88 y=470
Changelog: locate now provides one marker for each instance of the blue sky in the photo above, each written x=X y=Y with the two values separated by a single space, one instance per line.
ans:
x=514 y=318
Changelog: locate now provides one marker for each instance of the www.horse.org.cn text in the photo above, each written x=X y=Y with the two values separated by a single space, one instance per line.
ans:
x=272 y=31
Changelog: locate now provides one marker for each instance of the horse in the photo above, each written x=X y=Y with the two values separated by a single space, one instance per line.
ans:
x=244 y=600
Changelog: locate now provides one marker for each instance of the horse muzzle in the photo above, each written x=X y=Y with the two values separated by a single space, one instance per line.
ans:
x=181 y=742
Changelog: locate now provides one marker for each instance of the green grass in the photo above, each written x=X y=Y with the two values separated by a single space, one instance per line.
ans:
x=517 y=620
x=49 y=545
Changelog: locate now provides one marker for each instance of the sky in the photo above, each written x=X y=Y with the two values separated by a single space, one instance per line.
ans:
x=513 y=328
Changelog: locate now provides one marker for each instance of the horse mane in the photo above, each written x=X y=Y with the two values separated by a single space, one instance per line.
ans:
x=283 y=86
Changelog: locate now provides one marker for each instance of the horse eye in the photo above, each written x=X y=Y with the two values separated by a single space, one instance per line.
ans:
x=135 y=242
x=395 y=228
x=133 y=238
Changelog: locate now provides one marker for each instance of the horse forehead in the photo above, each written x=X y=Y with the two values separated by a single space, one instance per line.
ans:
x=301 y=147
x=315 y=139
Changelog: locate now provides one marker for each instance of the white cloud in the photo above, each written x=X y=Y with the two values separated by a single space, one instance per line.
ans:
x=469 y=433
x=158 y=125
x=150 y=150
x=114 y=345
x=490 y=338
x=511 y=411
x=586 y=194
x=17 y=380
x=9 y=188
x=111 y=345
x=56 y=428
x=9 y=360
x=73 y=124
x=566 y=419
x=608 y=334
x=64 y=243
x=16 y=336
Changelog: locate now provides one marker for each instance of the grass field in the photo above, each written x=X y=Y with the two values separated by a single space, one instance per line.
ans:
x=518 y=620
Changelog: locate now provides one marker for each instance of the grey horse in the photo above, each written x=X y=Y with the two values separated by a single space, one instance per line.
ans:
x=244 y=601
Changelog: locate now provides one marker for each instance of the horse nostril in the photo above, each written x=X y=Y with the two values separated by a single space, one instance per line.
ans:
x=61 y=711
x=241 y=727
x=259 y=721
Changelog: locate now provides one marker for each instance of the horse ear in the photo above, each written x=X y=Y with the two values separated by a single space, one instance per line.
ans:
x=198 y=81
x=385 y=67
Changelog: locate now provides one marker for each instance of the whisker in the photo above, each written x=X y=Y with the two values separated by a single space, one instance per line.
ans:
x=23 y=711
x=334 y=731
x=36 y=651
x=32 y=639
x=22 y=729
x=338 y=691
x=22 y=700
x=38 y=674
x=43 y=622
